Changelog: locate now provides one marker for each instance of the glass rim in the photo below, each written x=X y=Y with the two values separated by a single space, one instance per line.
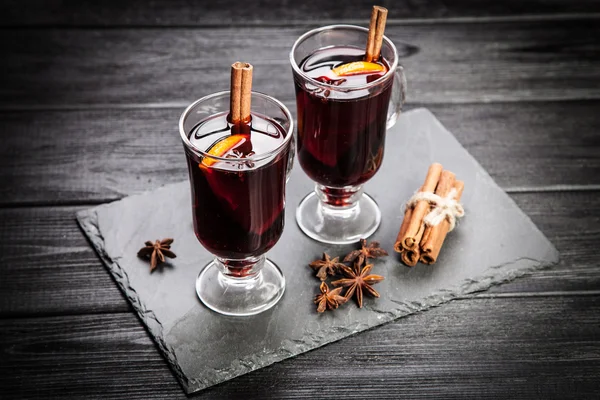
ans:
x=379 y=81
x=257 y=157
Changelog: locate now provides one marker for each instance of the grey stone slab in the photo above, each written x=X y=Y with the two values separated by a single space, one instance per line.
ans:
x=495 y=242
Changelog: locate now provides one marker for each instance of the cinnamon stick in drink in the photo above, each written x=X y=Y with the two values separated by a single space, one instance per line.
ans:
x=241 y=92
x=412 y=228
x=434 y=236
x=376 y=29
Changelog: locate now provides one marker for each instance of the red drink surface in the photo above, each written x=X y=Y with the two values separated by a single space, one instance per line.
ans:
x=341 y=136
x=238 y=206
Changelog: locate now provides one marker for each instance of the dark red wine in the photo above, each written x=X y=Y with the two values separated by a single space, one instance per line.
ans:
x=341 y=135
x=238 y=204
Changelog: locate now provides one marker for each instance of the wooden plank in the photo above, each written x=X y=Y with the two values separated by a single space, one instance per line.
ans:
x=445 y=63
x=48 y=267
x=231 y=12
x=530 y=145
x=101 y=155
x=484 y=348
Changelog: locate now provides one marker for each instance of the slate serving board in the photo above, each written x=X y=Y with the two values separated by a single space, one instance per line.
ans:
x=494 y=243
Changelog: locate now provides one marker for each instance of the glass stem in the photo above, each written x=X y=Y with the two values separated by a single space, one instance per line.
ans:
x=241 y=270
x=339 y=199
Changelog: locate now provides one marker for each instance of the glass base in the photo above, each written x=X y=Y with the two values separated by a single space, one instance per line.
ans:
x=240 y=296
x=338 y=224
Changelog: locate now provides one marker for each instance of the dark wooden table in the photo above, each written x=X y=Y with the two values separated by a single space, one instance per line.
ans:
x=90 y=96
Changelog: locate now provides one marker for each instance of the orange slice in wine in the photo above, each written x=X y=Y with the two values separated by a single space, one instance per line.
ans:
x=357 y=68
x=221 y=148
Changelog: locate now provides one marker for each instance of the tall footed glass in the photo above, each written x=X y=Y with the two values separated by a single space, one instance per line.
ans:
x=342 y=123
x=238 y=176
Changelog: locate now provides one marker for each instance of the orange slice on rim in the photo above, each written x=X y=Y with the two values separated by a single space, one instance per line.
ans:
x=357 y=68
x=221 y=148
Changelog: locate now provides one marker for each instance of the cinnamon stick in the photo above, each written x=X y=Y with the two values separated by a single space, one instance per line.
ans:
x=398 y=248
x=241 y=92
x=410 y=257
x=376 y=29
x=443 y=188
x=434 y=236
x=412 y=227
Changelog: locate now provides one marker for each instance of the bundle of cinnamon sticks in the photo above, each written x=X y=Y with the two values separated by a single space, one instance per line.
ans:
x=429 y=216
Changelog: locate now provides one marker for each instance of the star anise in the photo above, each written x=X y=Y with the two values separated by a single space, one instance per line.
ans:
x=372 y=250
x=326 y=266
x=238 y=155
x=357 y=282
x=374 y=161
x=329 y=299
x=157 y=251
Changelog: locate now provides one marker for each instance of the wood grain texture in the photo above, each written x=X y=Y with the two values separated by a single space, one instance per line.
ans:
x=445 y=63
x=482 y=348
x=47 y=266
x=100 y=155
x=119 y=82
x=229 y=12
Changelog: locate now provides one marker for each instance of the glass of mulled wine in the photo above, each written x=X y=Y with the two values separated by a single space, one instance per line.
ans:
x=238 y=175
x=344 y=107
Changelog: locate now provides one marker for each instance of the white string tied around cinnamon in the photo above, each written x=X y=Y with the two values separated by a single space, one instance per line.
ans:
x=444 y=208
